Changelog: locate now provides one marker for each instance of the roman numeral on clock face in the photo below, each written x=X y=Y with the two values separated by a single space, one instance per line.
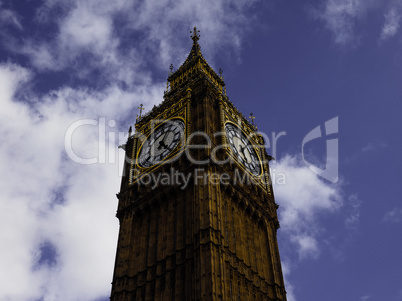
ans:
x=242 y=148
x=161 y=143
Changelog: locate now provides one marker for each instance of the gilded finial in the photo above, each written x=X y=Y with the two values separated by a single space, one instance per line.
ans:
x=141 y=108
x=171 y=69
x=252 y=117
x=195 y=35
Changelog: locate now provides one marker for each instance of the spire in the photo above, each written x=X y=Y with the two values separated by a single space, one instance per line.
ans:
x=196 y=49
x=194 y=62
x=195 y=35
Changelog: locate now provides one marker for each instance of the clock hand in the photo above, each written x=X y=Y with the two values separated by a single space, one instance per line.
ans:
x=162 y=142
x=242 y=147
x=146 y=160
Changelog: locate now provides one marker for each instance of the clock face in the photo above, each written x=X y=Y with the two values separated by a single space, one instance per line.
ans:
x=242 y=148
x=161 y=143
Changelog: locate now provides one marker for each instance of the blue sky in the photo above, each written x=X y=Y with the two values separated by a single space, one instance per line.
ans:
x=70 y=70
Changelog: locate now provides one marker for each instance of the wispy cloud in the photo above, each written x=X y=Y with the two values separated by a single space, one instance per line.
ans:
x=344 y=19
x=392 y=21
x=372 y=147
x=339 y=17
x=353 y=217
x=393 y=216
x=10 y=17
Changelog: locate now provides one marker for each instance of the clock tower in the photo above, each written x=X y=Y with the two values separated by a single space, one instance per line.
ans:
x=196 y=208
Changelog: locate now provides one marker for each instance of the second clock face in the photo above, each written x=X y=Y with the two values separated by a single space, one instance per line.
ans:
x=161 y=143
x=243 y=149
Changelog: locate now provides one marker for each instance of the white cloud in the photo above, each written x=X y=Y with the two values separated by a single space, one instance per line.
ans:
x=342 y=17
x=307 y=245
x=46 y=199
x=41 y=56
x=10 y=17
x=392 y=22
x=290 y=289
x=222 y=22
x=302 y=199
x=374 y=146
x=85 y=35
x=353 y=217
x=393 y=216
x=84 y=29
x=339 y=17
x=304 y=193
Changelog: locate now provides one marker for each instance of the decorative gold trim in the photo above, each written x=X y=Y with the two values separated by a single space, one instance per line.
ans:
x=169 y=112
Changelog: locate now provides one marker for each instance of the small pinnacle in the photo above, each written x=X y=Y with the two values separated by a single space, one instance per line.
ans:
x=141 y=108
x=195 y=35
x=252 y=117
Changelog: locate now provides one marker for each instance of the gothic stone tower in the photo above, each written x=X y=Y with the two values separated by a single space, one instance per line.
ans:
x=197 y=213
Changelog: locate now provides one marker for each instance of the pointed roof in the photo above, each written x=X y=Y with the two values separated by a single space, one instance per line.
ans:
x=194 y=57
x=196 y=49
